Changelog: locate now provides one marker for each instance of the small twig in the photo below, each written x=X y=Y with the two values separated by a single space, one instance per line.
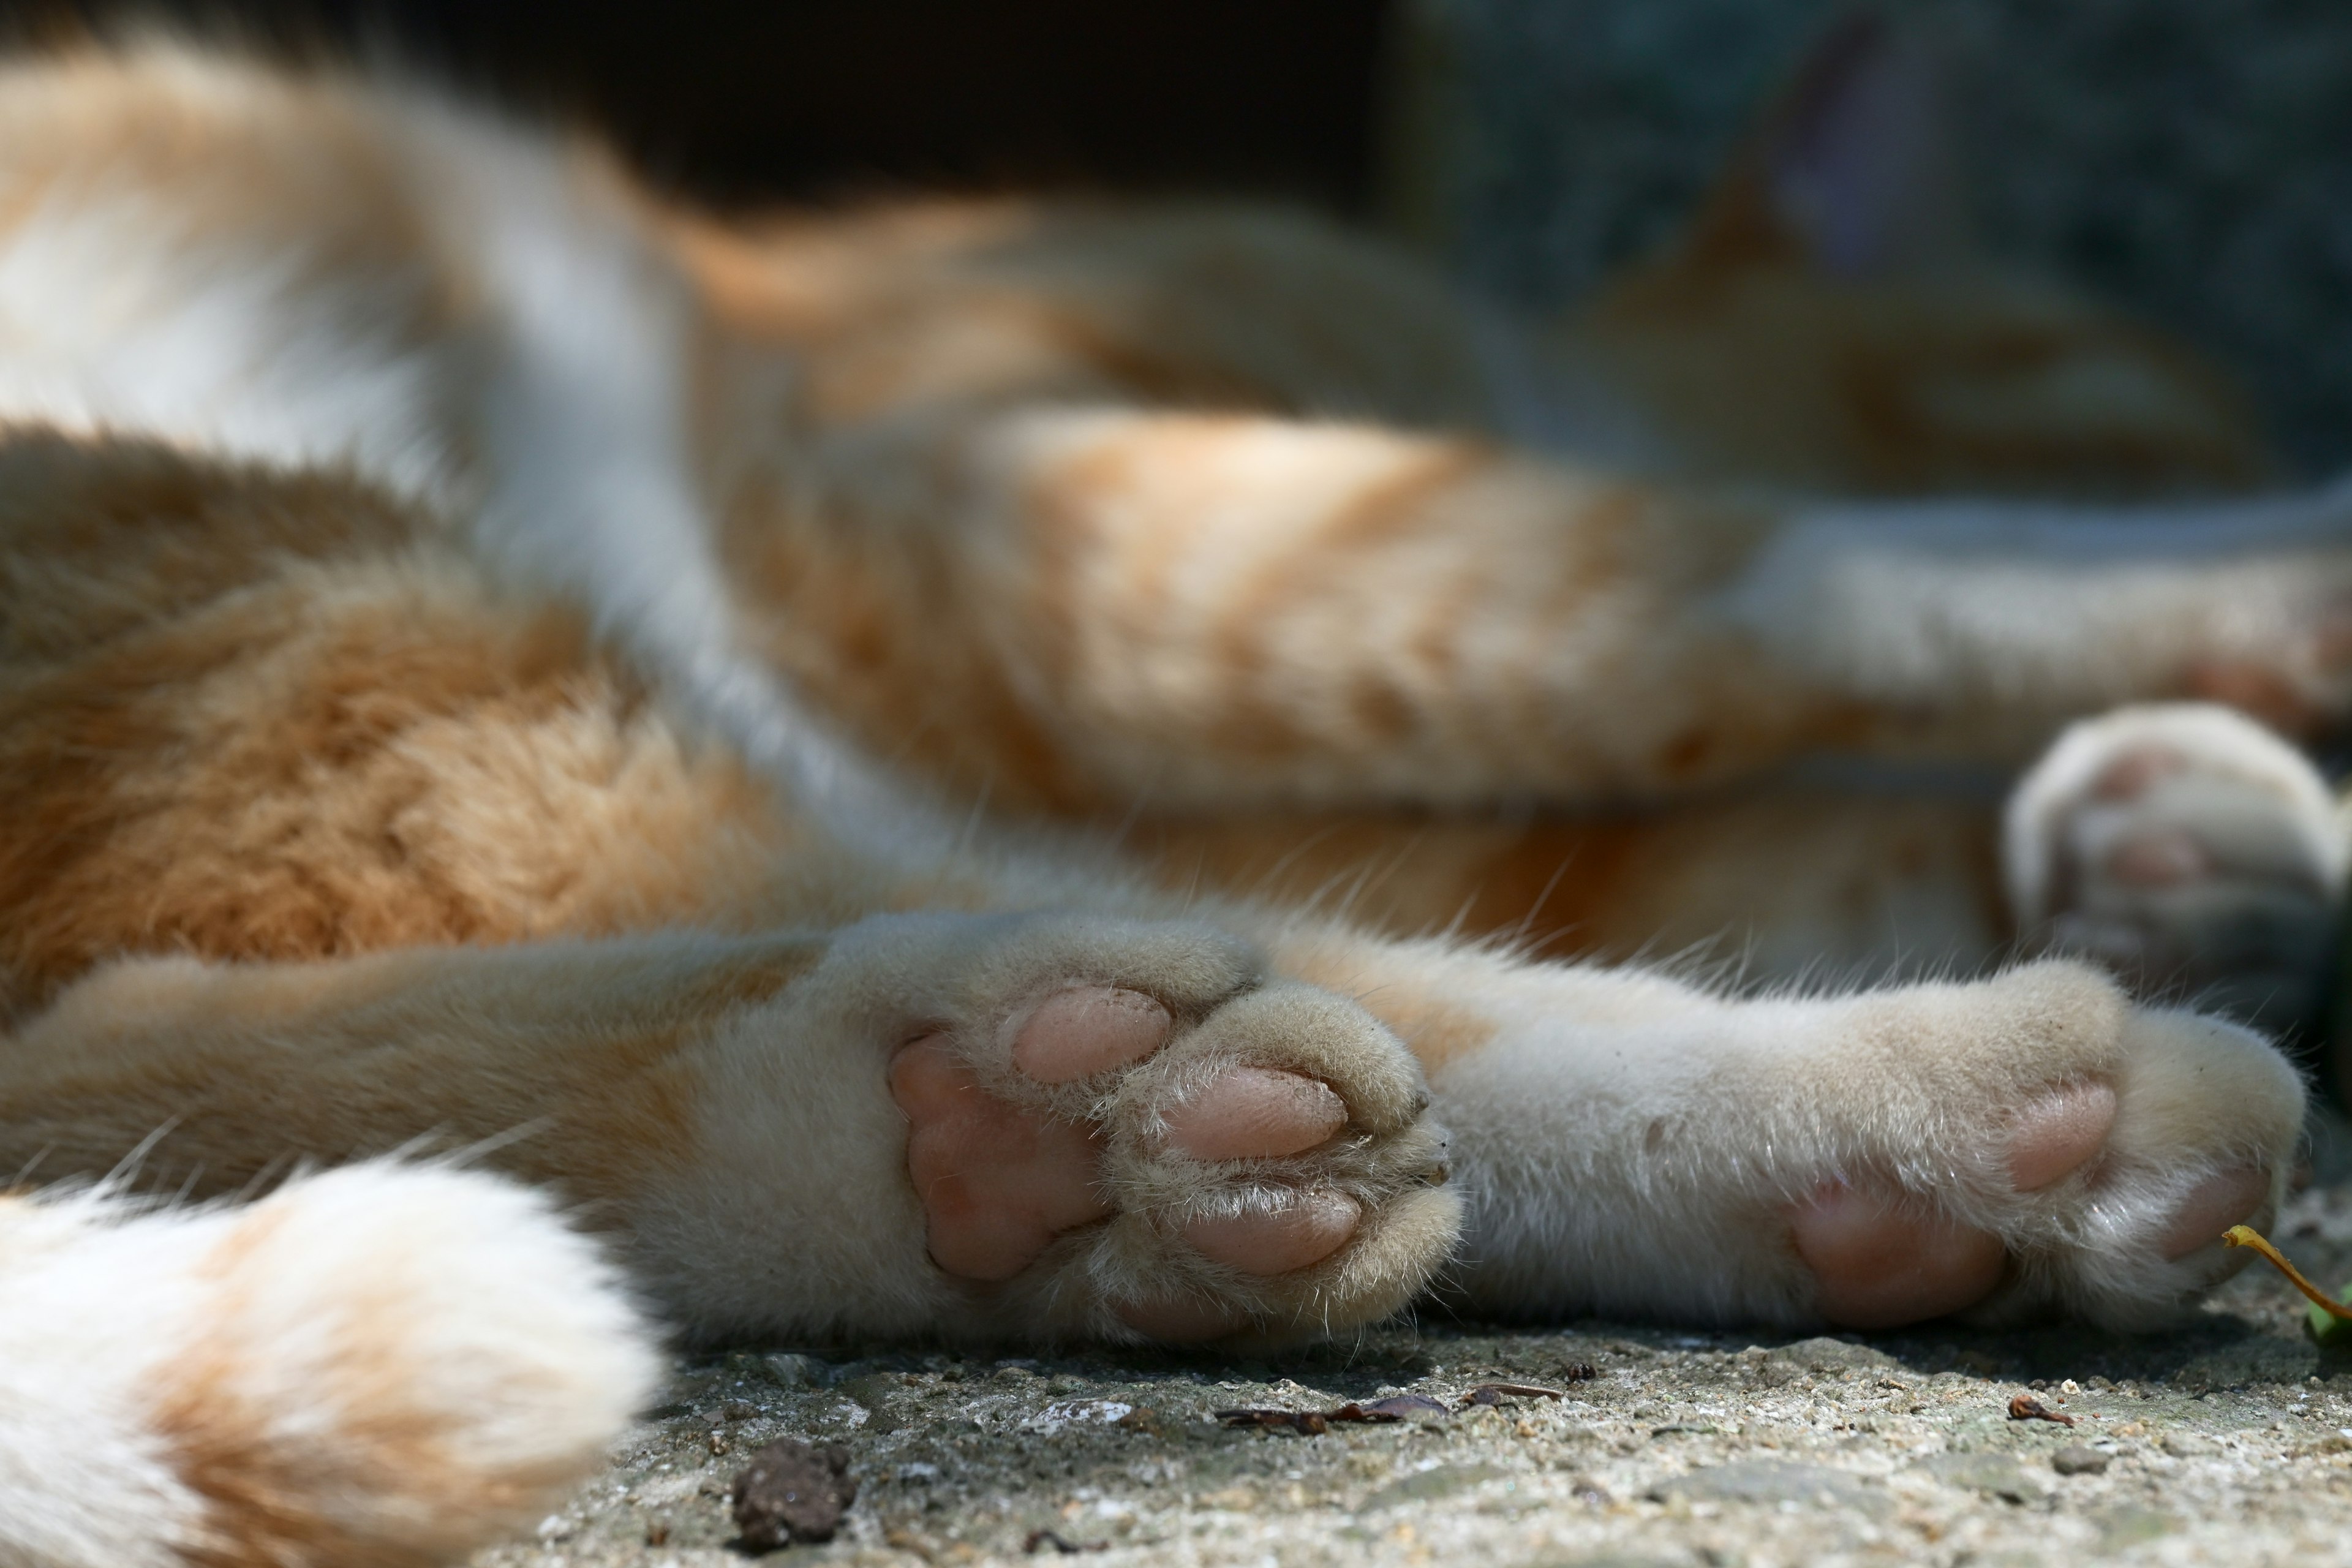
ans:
x=1496 y=1393
x=2247 y=1236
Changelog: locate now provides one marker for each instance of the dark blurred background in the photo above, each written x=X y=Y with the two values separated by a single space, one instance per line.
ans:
x=748 y=99
x=2190 y=159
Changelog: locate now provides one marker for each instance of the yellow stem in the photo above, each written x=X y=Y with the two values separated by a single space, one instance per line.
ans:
x=2246 y=1235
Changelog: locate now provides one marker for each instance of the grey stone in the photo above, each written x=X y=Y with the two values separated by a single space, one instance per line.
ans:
x=1773 y=1481
x=2129 y=1525
x=1996 y=1474
x=786 y=1370
x=1430 y=1484
x=1825 y=1355
x=2187 y=1445
x=2074 y=1459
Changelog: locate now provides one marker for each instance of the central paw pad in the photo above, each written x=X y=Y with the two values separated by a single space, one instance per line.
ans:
x=1187 y=1153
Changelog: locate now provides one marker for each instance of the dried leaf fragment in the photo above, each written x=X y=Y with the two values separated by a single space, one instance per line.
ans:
x=1496 y=1393
x=1310 y=1422
x=1370 y=1413
x=2025 y=1407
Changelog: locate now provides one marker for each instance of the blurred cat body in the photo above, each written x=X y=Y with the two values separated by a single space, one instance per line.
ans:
x=487 y=655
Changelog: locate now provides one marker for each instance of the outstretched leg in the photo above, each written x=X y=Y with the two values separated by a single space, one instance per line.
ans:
x=2028 y=1144
x=2193 y=852
x=1075 y=610
x=968 y=1125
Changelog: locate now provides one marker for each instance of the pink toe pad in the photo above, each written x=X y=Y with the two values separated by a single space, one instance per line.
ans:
x=1256 y=1113
x=2058 y=1135
x=1309 y=1231
x=1087 y=1029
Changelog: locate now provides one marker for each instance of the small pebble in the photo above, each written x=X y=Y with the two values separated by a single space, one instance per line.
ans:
x=791 y=1492
x=2074 y=1459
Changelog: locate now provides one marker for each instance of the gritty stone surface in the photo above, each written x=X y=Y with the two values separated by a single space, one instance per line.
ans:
x=2228 y=1443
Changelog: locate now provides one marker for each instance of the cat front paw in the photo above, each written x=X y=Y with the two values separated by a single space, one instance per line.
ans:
x=2081 y=1155
x=2188 y=849
x=1124 y=1128
x=379 y=1363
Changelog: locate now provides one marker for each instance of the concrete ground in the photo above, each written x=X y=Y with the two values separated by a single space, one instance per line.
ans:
x=2229 y=1442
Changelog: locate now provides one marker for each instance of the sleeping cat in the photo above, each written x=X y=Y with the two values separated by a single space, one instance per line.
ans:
x=490 y=663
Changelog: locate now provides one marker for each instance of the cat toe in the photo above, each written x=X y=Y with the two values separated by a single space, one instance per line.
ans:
x=2190 y=851
x=1278 y=1158
x=998 y=1181
x=2218 y=1201
x=1291 y=1232
x=1880 y=1258
x=1256 y=1113
x=2059 y=1134
x=1086 y=1029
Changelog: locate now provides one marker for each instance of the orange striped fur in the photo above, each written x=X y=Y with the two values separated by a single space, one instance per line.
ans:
x=491 y=660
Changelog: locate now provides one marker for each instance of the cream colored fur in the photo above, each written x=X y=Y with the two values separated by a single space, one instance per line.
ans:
x=379 y=1363
x=1540 y=1139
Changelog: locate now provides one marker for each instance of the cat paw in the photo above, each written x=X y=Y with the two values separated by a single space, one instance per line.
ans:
x=2084 y=1160
x=2189 y=850
x=379 y=1363
x=1126 y=1129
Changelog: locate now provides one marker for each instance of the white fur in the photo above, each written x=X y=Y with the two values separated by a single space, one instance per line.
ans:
x=83 y=1484
x=1629 y=1145
x=2306 y=833
x=113 y=317
x=509 y=1339
x=2046 y=607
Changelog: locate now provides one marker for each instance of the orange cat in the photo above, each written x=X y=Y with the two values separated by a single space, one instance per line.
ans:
x=434 y=581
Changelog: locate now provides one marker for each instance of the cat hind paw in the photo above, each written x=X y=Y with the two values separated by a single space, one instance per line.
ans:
x=2192 y=852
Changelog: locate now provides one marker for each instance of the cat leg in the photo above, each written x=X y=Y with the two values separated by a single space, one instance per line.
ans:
x=975 y=1125
x=385 y=1363
x=2181 y=845
x=1775 y=887
x=2189 y=850
x=2025 y=1146
x=1073 y=610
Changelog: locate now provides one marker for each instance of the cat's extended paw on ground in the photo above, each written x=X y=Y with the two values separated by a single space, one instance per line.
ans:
x=2097 y=1179
x=2189 y=851
x=1127 y=1120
